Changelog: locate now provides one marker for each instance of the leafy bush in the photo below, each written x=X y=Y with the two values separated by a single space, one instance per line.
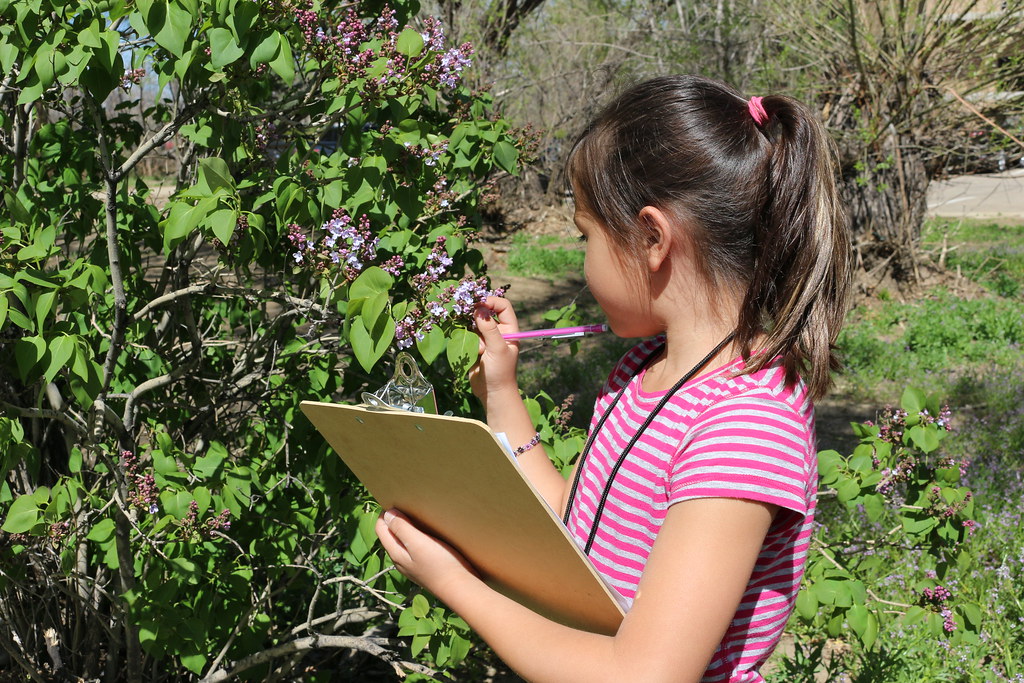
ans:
x=167 y=512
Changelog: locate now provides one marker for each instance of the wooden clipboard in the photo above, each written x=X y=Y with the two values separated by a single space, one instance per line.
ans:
x=454 y=478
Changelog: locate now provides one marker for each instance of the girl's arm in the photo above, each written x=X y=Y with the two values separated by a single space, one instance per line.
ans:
x=690 y=590
x=494 y=382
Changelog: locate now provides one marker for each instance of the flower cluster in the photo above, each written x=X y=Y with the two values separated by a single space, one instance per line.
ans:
x=190 y=528
x=448 y=67
x=940 y=508
x=430 y=155
x=938 y=597
x=132 y=77
x=901 y=472
x=345 y=245
x=345 y=45
x=142 y=491
x=564 y=414
x=264 y=133
x=439 y=197
x=454 y=302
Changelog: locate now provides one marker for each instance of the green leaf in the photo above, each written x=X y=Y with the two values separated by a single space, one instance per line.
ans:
x=175 y=503
x=372 y=309
x=194 y=663
x=847 y=490
x=43 y=306
x=22 y=515
x=918 y=526
x=913 y=401
x=367 y=348
x=506 y=156
x=223 y=48
x=463 y=347
x=924 y=437
x=371 y=282
x=175 y=30
x=432 y=344
x=971 y=613
x=410 y=42
x=223 y=222
x=266 y=50
x=874 y=506
x=28 y=351
x=61 y=349
x=806 y=604
x=283 y=64
x=8 y=55
x=420 y=606
x=183 y=219
x=914 y=615
x=241 y=19
x=103 y=531
x=207 y=465
x=214 y=175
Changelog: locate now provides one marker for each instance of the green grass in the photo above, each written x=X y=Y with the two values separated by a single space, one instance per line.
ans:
x=991 y=254
x=544 y=256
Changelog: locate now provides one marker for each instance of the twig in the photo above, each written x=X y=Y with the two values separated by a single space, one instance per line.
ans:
x=345 y=616
x=43 y=413
x=971 y=108
x=373 y=646
x=170 y=296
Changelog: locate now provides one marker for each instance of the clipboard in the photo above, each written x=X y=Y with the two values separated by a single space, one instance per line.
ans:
x=458 y=482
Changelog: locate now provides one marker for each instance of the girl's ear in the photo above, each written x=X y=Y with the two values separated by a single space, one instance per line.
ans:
x=661 y=236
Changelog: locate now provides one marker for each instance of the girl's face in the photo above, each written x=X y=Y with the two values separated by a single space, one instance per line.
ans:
x=617 y=280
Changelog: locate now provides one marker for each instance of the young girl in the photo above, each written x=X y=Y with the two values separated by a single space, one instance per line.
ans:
x=712 y=226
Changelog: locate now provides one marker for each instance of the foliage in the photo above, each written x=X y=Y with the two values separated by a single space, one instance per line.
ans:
x=165 y=506
x=910 y=495
x=913 y=557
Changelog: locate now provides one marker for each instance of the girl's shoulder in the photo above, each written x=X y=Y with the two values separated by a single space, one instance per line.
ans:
x=730 y=389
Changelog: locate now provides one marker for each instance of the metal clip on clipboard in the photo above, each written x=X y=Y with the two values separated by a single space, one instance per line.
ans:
x=407 y=389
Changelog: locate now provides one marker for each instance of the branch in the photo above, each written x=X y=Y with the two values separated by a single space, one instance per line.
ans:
x=984 y=118
x=352 y=615
x=159 y=138
x=372 y=646
x=60 y=416
x=170 y=296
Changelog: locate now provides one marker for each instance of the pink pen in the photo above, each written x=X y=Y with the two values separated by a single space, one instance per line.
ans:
x=558 y=332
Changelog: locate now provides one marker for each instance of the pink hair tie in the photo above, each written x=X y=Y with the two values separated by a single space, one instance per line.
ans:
x=757 y=111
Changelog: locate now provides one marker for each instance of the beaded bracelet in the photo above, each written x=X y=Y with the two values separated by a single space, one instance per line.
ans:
x=528 y=445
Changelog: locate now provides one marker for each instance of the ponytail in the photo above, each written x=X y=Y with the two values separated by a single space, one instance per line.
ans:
x=797 y=295
x=755 y=180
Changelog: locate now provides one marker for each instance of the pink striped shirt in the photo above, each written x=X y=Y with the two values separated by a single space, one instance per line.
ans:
x=748 y=437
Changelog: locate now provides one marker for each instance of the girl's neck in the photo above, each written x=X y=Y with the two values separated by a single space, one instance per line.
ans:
x=684 y=349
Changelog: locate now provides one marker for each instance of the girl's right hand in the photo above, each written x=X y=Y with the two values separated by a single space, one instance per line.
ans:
x=495 y=371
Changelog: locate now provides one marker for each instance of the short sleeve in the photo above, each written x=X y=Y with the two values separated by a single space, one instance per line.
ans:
x=746 y=447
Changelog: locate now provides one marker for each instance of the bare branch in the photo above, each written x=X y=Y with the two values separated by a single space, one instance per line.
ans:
x=372 y=646
x=159 y=138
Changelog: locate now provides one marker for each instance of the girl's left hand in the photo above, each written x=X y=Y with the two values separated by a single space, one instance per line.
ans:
x=427 y=560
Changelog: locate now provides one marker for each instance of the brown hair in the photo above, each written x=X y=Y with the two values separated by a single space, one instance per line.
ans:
x=760 y=200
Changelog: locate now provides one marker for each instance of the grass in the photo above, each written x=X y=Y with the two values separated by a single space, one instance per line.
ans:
x=990 y=253
x=967 y=350
x=544 y=256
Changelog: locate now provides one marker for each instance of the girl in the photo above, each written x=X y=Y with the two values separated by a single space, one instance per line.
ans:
x=712 y=225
